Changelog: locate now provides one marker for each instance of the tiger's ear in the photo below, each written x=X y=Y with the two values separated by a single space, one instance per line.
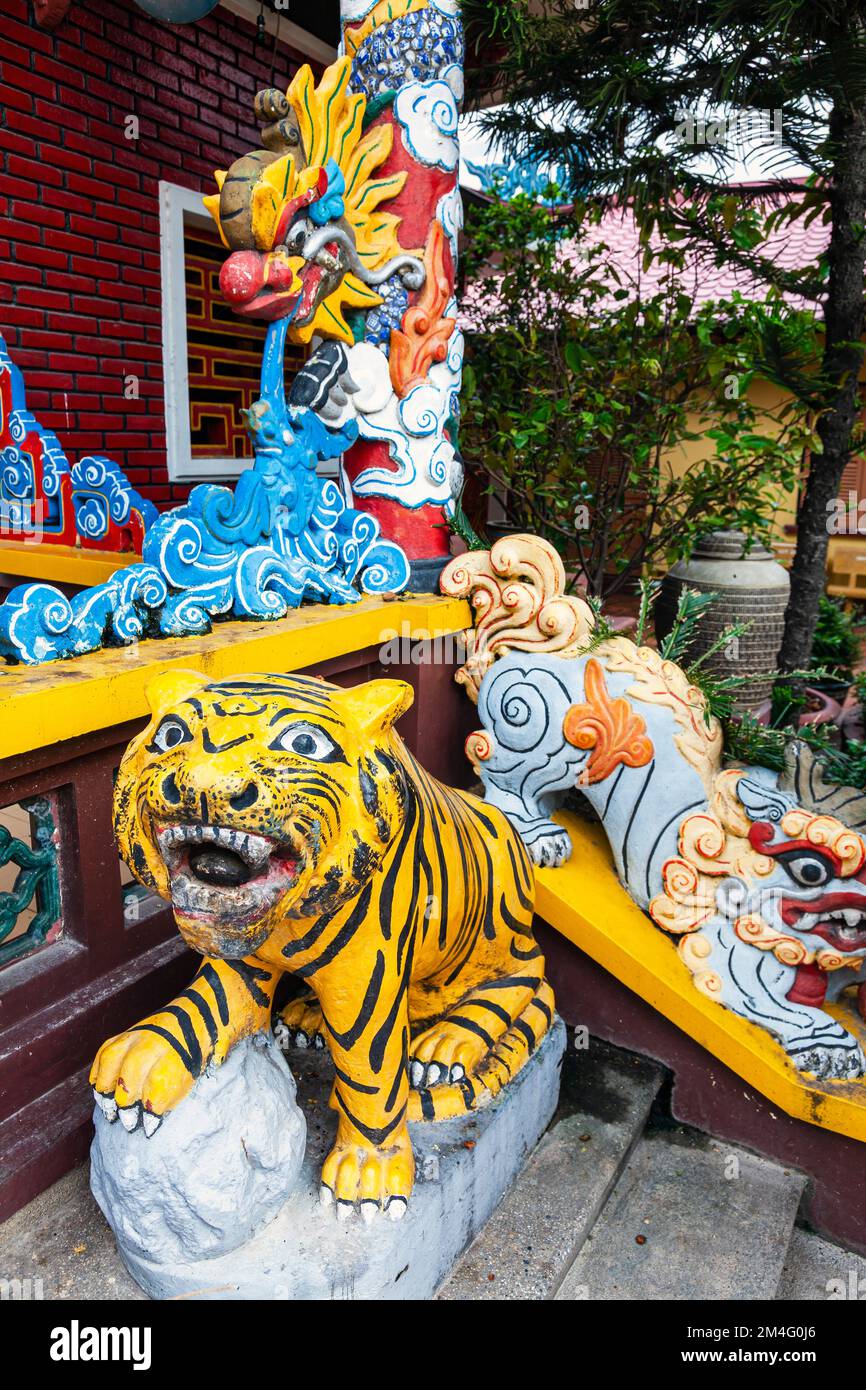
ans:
x=174 y=685
x=376 y=705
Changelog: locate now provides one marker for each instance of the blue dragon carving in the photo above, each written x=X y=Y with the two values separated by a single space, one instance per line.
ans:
x=281 y=536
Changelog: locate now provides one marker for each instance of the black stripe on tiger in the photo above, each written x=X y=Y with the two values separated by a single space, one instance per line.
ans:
x=203 y=1008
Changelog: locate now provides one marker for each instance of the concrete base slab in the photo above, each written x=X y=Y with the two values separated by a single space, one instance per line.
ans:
x=464 y=1167
x=64 y=1246
x=689 y=1219
x=818 y=1271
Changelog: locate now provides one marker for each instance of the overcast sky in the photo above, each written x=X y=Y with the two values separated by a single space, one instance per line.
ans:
x=474 y=147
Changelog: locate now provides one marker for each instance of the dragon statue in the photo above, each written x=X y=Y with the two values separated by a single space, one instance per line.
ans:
x=760 y=878
x=307 y=207
x=341 y=233
x=346 y=223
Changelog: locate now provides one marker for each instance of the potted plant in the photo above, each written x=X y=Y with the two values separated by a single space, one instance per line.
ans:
x=836 y=645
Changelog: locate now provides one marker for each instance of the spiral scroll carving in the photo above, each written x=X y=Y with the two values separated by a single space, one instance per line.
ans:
x=517 y=589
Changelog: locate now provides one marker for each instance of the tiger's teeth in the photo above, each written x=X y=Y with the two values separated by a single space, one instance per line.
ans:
x=255 y=849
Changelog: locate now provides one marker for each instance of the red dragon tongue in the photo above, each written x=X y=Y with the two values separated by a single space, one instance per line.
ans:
x=809 y=987
x=311 y=278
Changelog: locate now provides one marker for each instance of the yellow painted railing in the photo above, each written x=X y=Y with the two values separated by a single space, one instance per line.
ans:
x=61 y=564
x=42 y=705
x=585 y=902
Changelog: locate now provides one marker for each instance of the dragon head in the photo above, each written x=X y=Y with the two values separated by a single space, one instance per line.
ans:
x=301 y=217
x=791 y=880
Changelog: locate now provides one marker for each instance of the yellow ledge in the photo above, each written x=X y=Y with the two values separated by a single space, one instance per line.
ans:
x=585 y=902
x=62 y=564
x=42 y=705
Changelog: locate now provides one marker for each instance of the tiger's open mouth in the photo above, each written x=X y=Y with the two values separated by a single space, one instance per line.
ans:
x=839 y=918
x=226 y=878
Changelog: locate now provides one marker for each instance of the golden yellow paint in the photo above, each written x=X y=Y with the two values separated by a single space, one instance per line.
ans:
x=43 y=705
x=330 y=120
x=585 y=902
x=405 y=906
x=211 y=202
x=62 y=564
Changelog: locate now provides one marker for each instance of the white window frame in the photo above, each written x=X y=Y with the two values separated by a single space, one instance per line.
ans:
x=178 y=207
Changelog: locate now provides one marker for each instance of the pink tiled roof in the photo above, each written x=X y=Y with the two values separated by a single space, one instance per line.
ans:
x=792 y=247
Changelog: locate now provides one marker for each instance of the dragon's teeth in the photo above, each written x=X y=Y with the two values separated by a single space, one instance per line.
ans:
x=853 y=916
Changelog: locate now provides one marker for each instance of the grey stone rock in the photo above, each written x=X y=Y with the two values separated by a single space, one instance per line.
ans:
x=533 y=1237
x=817 y=1270
x=216 y=1171
x=677 y=1226
x=463 y=1168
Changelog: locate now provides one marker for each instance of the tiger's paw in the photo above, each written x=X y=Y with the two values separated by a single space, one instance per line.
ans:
x=359 y=1177
x=137 y=1078
x=300 y=1024
x=443 y=1054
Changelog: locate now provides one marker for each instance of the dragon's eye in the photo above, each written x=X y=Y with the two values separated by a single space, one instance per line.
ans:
x=809 y=870
x=307 y=741
x=171 y=733
x=297 y=235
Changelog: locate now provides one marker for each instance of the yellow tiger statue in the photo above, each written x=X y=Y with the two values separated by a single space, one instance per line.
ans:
x=293 y=831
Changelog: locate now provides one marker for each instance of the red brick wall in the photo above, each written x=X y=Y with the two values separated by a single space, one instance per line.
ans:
x=80 y=300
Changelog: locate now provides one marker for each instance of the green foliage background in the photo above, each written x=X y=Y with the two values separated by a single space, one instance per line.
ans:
x=578 y=383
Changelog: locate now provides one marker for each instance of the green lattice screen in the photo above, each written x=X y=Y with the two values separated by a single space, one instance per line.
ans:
x=31 y=906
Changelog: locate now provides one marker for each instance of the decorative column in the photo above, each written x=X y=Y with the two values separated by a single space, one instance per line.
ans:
x=407 y=60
